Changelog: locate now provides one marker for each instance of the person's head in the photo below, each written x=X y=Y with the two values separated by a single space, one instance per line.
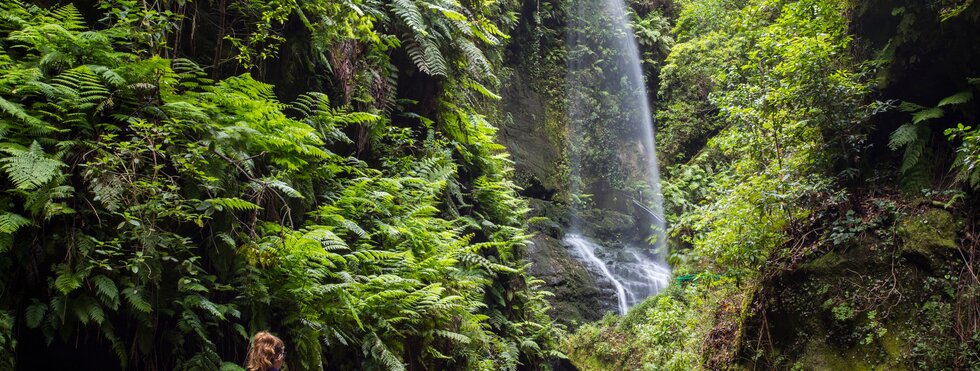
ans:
x=266 y=351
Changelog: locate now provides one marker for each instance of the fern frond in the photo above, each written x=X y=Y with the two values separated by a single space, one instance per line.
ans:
x=380 y=352
x=282 y=187
x=136 y=301
x=31 y=168
x=67 y=281
x=958 y=98
x=70 y=17
x=483 y=90
x=232 y=203
x=427 y=57
x=927 y=114
x=454 y=336
x=408 y=11
x=10 y=222
x=906 y=134
x=34 y=314
x=106 y=290
x=478 y=63
x=17 y=111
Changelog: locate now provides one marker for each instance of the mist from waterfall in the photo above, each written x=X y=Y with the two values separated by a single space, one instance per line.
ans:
x=604 y=75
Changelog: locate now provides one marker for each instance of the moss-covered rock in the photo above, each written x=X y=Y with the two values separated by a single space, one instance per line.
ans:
x=889 y=352
x=848 y=308
x=529 y=135
x=928 y=237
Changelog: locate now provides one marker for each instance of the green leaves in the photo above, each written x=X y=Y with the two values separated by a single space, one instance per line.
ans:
x=106 y=290
x=231 y=203
x=958 y=98
x=10 y=222
x=927 y=114
x=134 y=297
x=17 y=111
x=409 y=13
x=34 y=314
x=914 y=136
x=67 y=281
x=31 y=168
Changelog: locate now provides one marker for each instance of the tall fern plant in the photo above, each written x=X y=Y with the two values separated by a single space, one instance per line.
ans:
x=913 y=138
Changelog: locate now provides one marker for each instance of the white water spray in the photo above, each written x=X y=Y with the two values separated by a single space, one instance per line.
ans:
x=635 y=277
x=586 y=251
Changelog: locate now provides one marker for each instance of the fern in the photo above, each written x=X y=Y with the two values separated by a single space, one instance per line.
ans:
x=17 y=111
x=106 y=290
x=231 y=203
x=200 y=200
x=379 y=351
x=67 y=281
x=455 y=337
x=34 y=314
x=31 y=168
x=136 y=301
x=409 y=12
x=281 y=186
x=955 y=99
x=10 y=222
x=427 y=57
x=478 y=63
x=927 y=114
x=69 y=17
x=914 y=136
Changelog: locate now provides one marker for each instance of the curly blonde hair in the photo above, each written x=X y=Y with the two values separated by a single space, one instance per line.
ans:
x=264 y=350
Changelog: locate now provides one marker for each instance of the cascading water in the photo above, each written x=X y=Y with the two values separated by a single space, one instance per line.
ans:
x=585 y=249
x=608 y=99
x=634 y=278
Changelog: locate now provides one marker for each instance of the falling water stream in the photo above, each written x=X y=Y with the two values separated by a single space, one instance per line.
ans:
x=586 y=251
x=603 y=61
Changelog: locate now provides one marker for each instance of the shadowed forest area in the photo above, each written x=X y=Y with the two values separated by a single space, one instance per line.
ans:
x=392 y=184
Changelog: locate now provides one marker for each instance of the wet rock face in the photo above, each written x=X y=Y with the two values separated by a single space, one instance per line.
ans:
x=535 y=149
x=578 y=297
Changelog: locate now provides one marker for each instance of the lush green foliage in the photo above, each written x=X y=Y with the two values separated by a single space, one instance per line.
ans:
x=662 y=333
x=793 y=105
x=795 y=161
x=170 y=215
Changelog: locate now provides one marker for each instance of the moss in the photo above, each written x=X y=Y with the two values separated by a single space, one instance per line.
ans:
x=824 y=263
x=895 y=348
x=928 y=236
x=820 y=356
x=888 y=353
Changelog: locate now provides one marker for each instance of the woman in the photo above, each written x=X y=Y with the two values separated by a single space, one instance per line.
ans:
x=266 y=353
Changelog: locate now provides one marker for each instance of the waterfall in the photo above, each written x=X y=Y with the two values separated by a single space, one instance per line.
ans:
x=634 y=278
x=586 y=252
x=608 y=107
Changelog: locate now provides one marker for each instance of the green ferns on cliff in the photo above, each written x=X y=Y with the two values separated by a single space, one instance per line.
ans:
x=155 y=216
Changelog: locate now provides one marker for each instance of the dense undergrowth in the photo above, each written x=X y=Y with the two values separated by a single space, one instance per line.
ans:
x=820 y=184
x=160 y=206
